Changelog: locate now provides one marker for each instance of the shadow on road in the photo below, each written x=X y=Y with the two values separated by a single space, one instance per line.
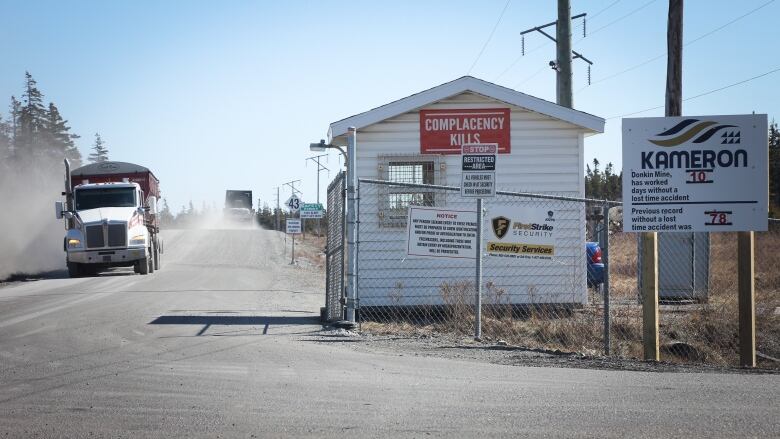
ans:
x=235 y=320
x=26 y=277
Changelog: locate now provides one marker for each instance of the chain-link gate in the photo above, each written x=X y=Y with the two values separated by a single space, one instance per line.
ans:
x=334 y=256
x=555 y=303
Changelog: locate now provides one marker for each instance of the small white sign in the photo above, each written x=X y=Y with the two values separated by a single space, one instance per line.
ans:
x=695 y=174
x=520 y=232
x=478 y=170
x=293 y=226
x=441 y=233
x=478 y=184
x=293 y=203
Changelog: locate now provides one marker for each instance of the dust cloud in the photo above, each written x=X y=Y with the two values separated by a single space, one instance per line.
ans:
x=31 y=238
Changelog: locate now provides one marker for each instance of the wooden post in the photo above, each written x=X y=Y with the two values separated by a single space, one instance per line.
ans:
x=747 y=299
x=650 y=339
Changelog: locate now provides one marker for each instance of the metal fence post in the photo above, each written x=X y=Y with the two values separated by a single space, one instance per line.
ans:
x=351 y=219
x=478 y=280
x=605 y=284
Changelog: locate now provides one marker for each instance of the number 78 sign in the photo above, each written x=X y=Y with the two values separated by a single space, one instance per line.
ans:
x=695 y=173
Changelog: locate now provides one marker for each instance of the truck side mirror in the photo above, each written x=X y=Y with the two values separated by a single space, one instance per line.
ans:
x=59 y=206
x=152 y=202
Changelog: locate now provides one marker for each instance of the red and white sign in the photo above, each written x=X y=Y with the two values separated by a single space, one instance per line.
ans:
x=446 y=131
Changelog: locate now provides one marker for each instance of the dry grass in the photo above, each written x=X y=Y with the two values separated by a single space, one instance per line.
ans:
x=701 y=332
x=311 y=249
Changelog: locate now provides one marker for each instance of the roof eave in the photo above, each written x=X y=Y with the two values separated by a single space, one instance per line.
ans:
x=590 y=123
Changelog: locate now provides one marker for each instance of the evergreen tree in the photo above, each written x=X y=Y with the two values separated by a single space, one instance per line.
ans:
x=100 y=153
x=5 y=138
x=774 y=168
x=166 y=217
x=59 y=138
x=603 y=185
x=15 y=112
x=32 y=117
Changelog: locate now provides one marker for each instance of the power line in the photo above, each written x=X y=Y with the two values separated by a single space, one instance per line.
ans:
x=655 y=58
x=601 y=11
x=490 y=37
x=620 y=18
x=702 y=94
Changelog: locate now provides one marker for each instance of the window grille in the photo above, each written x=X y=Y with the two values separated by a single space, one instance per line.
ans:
x=415 y=169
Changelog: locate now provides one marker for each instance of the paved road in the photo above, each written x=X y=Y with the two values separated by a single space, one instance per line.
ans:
x=224 y=342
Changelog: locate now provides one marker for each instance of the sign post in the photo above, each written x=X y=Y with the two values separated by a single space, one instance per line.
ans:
x=478 y=180
x=293 y=228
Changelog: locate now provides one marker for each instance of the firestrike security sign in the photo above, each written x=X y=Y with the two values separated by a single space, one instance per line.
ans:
x=520 y=232
x=446 y=131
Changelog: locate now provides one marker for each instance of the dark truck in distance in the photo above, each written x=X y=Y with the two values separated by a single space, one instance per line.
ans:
x=238 y=205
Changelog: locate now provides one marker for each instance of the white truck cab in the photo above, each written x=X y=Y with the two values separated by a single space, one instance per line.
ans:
x=109 y=225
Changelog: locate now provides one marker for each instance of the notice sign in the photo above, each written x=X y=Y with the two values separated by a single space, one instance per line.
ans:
x=440 y=233
x=293 y=226
x=520 y=232
x=478 y=170
x=695 y=174
x=446 y=131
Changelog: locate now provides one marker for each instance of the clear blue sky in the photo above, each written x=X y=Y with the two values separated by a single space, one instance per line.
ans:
x=217 y=95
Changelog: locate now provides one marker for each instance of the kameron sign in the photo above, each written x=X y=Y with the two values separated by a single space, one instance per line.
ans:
x=446 y=131
x=695 y=174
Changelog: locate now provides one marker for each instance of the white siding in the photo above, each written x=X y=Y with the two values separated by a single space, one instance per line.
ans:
x=546 y=157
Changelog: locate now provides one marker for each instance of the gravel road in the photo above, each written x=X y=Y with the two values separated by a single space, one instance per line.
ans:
x=225 y=341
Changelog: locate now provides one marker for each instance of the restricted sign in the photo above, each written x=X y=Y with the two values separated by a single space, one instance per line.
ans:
x=293 y=203
x=312 y=210
x=440 y=233
x=293 y=226
x=520 y=232
x=478 y=176
x=445 y=131
x=695 y=174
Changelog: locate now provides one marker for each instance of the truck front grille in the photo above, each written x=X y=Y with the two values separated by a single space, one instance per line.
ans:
x=95 y=236
x=117 y=235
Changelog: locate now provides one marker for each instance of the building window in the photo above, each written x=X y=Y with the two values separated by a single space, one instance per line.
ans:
x=401 y=198
x=395 y=200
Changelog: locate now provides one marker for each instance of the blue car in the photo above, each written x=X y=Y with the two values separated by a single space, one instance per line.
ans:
x=595 y=266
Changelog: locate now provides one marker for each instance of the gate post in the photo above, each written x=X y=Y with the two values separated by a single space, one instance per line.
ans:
x=351 y=222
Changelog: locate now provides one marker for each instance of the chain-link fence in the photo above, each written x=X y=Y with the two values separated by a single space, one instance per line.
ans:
x=334 y=254
x=558 y=300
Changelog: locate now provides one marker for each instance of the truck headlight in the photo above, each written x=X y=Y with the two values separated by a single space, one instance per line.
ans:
x=138 y=240
x=74 y=243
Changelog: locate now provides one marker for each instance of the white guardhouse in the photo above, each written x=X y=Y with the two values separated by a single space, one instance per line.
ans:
x=541 y=150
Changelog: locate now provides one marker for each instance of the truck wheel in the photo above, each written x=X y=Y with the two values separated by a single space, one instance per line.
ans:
x=74 y=270
x=143 y=266
x=157 y=262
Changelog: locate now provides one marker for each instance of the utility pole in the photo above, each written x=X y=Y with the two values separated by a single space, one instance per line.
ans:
x=673 y=108
x=293 y=191
x=320 y=167
x=564 y=53
x=563 y=88
x=278 y=209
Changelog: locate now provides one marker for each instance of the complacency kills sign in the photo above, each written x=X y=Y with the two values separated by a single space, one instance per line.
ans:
x=441 y=233
x=445 y=131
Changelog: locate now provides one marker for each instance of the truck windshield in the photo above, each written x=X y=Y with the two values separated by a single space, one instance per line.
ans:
x=105 y=197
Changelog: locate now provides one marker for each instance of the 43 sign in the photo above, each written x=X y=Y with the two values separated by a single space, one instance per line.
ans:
x=293 y=203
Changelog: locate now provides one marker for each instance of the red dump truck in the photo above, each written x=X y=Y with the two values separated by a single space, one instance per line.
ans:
x=111 y=219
